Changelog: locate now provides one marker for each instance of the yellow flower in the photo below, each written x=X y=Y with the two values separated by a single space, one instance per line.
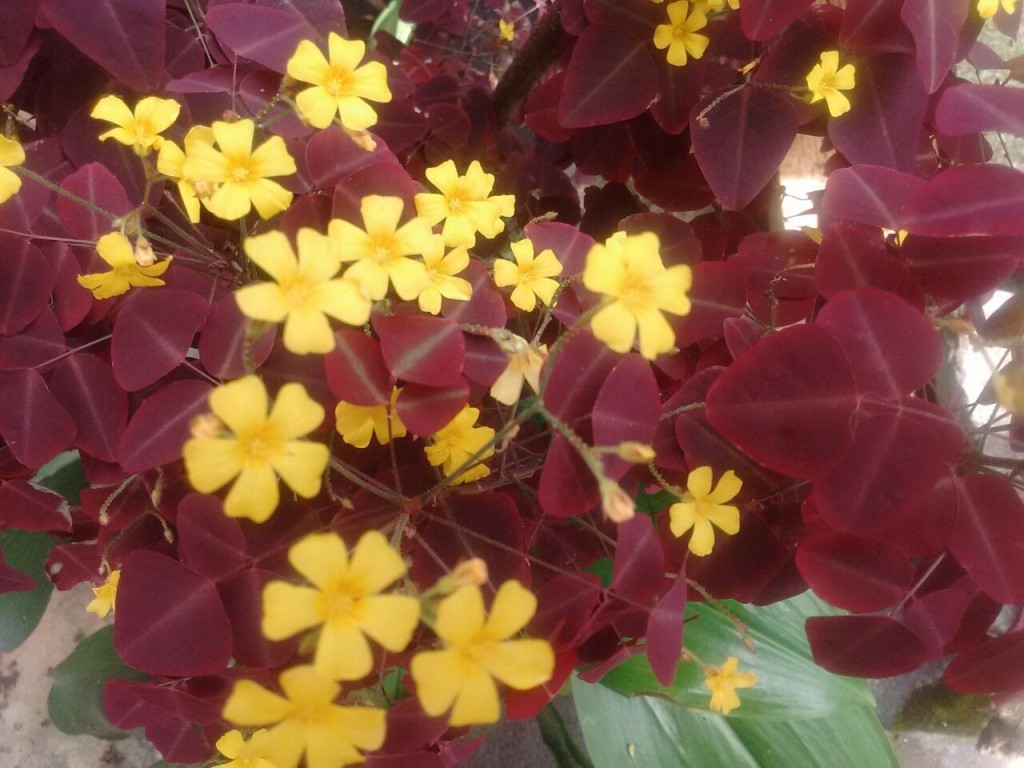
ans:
x=382 y=250
x=261 y=448
x=826 y=80
x=116 y=250
x=454 y=443
x=344 y=601
x=702 y=507
x=524 y=364
x=531 y=276
x=140 y=129
x=245 y=754
x=723 y=684
x=306 y=720
x=477 y=651
x=105 y=595
x=171 y=163
x=340 y=85
x=11 y=153
x=305 y=290
x=241 y=172
x=719 y=5
x=506 y=30
x=629 y=269
x=680 y=35
x=358 y=423
x=464 y=204
x=988 y=8
x=441 y=272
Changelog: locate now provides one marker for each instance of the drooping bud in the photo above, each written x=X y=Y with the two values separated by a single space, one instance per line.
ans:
x=634 y=452
x=205 y=426
x=468 y=573
x=144 y=255
x=615 y=502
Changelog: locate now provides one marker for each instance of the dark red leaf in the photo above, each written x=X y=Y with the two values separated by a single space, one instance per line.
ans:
x=718 y=293
x=85 y=386
x=210 y=542
x=153 y=334
x=762 y=19
x=864 y=646
x=425 y=410
x=486 y=307
x=179 y=741
x=626 y=409
x=133 y=704
x=638 y=570
x=71 y=302
x=26 y=281
x=32 y=422
x=852 y=573
x=995 y=205
x=968 y=109
x=170 y=620
x=356 y=371
x=569 y=244
x=159 y=428
x=16 y=22
x=961 y=267
x=71 y=564
x=936 y=26
x=39 y=343
x=485 y=361
x=567 y=487
x=97 y=185
x=563 y=606
x=242 y=596
x=577 y=376
x=852 y=255
x=423 y=350
x=610 y=77
x=265 y=35
x=994 y=666
x=126 y=37
x=988 y=537
x=224 y=343
x=787 y=401
x=46 y=158
x=665 y=631
x=332 y=156
x=935 y=618
x=873 y=26
x=28 y=507
x=869 y=194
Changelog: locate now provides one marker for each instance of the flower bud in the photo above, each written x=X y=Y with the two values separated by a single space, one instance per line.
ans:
x=634 y=452
x=205 y=426
x=468 y=573
x=144 y=255
x=615 y=502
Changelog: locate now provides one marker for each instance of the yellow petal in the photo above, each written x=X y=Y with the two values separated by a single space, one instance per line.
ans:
x=390 y=620
x=438 y=678
x=522 y=664
x=375 y=563
x=698 y=482
x=342 y=653
x=252 y=704
x=729 y=486
x=241 y=404
x=211 y=463
x=268 y=197
x=514 y=605
x=294 y=412
x=289 y=609
x=725 y=516
x=308 y=63
x=477 y=702
x=703 y=539
x=320 y=557
x=272 y=252
x=681 y=517
x=113 y=110
x=356 y=114
x=254 y=494
x=615 y=326
x=262 y=301
x=271 y=158
x=302 y=466
x=11 y=152
x=158 y=114
x=460 y=615
x=231 y=201
x=656 y=335
x=234 y=139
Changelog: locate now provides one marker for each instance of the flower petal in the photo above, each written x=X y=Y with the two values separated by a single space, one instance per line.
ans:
x=342 y=653
x=522 y=664
x=289 y=609
x=241 y=404
x=252 y=704
x=460 y=615
x=390 y=620
x=211 y=463
x=513 y=606
x=302 y=466
x=254 y=494
x=375 y=563
x=320 y=557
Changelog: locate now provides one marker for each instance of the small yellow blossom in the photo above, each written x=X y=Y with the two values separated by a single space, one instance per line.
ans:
x=305 y=720
x=680 y=36
x=723 y=684
x=702 y=507
x=454 y=443
x=478 y=650
x=382 y=250
x=464 y=204
x=241 y=174
x=140 y=129
x=304 y=292
x=506 y=30
x=116 y=250
x=344 y=602
x=629 y=269
x=719 y=5
x=105 y=595
x=532 y=276
x=171 y=163
x=988 y=8
x=358 y=423
x=826 y=80
x=339 y=85
x=245 y=754
x=11 y=154
x=441 y=272
x=524 y=364
x=262 y=447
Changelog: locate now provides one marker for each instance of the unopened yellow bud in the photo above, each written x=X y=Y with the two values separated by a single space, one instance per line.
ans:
x=468 y=573
x=144 y=255
x=634 y=452
x=205 y=426
x=616 y=503
x=204 y=189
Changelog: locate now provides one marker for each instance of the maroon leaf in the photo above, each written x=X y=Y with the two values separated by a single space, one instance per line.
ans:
x=567 y=487
x=170 y=620
x=787 y=401
x=718 y=293
x=577 y=376
x=242 y=596
x=126 y=37
x=863 y=646
x=665 y=631
x=32 y=422
x=610 y=77
x=761 y=19
x=872 y=26
x=46 y=158
x=988 y=537
x=16 y=22
x=425 y=410
x=485 y=361
x=159 y=428
x=225 y=343
x=869 y=194
x=994 y=666
x=852 y=255
x=569 y=244
x=180 y=741
x=961 y=267
x=967 y=109
x=264 y=35
x=884 y=125
x=153 y=334
x=892 y=348
x=995 y=205
x=486 y=307
x=852 y=573
x=71 y=564
x=97 y=185
x=563 y=606
x=638 y=570
x=356 y=371
x=935 y=618
x=26 y=281
x=423 y=350
x=85 y=386
x=741 y=142
x=38 y=344
x=210 y=542
x=332 y=156
x=626 y=409
x=28 y=507
x=935 y=26
x=71 y=302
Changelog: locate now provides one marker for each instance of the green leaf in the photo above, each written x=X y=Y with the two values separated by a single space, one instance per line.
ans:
x=645 y=731
x=75 y=703
x=63 y=474
x=20 y=612
x=790 y=685
x=652 y=503
x=389 y=21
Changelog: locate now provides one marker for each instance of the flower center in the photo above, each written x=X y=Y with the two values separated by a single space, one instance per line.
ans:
x=342 y=604
x=299 y=291
x=634 y=292
x=339 y=82
x=240 y=171
x=259 y=445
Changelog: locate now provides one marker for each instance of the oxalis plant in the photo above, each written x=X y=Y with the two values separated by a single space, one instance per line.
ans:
x=387 y=373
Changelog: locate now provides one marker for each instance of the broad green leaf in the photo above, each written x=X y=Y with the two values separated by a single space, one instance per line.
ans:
x=20 y=612
x=648 y=732
x=63 y=474
x=389 y=21
x=789 y=686
x=75 y=703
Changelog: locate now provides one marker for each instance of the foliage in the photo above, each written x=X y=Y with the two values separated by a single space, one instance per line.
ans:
x=529 y=277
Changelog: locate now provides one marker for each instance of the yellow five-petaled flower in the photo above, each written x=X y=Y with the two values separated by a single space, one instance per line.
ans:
x=358 y=423
x=139 y=129
x=464 y=204
x=723 y=683
x=532 y=276
x=680 y=35
x=701 y=507
x=105 y=595
x=826 y=81
x=125 y=271
x=453 y=445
